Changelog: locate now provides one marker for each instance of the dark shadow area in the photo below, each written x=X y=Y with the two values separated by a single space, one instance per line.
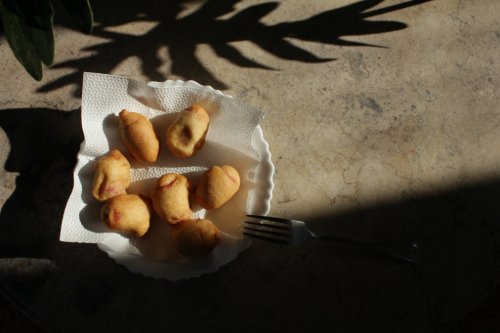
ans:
x=44 y=144
x=93 y=294
x=338 y=287
x=459 y=236
x=13 y=320
x=204 y=26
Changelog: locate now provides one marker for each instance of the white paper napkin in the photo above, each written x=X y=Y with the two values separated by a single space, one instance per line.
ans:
x=228 y=142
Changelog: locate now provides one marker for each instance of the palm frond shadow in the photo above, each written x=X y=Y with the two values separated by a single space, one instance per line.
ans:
x=205 y=26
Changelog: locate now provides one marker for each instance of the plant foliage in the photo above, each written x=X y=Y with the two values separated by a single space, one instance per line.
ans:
x=29 y=29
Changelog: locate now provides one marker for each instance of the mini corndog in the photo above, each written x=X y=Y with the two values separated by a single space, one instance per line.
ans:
x=139 y=136
x=217 y=186
x=171 y=198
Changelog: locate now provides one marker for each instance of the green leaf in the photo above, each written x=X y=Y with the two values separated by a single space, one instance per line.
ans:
x=38 y=27
x=1 y=22
x=81 y=13
x=22 y=48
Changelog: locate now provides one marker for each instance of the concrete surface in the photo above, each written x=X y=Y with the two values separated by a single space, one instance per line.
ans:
x=382 y=123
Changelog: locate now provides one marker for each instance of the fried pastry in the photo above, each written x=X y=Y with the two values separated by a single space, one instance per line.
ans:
x=186 y=136
x=217 y=186
x=171 y=198
x=194 y=237
x=139 y=136
x=112 y=176
x=127 y=213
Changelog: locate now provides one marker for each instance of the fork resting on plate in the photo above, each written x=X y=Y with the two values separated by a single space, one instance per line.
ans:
x=295 y=233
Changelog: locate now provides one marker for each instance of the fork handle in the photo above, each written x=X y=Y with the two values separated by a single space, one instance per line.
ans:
x=407 y=251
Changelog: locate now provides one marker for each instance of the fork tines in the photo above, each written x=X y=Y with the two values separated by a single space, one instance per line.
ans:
x=278 y=232
x=268 y=239
x=267 y=225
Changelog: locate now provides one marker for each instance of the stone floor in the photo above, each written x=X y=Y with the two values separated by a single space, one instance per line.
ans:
x=13 y=320
x=375 y=109
x=485 y=317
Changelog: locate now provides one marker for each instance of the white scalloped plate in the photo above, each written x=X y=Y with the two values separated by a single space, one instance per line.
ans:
x=259 y=204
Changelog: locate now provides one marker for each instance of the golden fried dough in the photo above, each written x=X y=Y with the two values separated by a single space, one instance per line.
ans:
x=139 y=136
x=112 y=176
x=186 y=136
x=171 y=198
x=127 y=213
x=217 y=186
x=194 y=237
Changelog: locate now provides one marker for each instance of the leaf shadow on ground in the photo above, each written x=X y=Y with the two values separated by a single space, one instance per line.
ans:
x=181 y=34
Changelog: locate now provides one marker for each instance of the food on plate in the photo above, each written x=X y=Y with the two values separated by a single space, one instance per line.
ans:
x=217 y=186
x=139 y=136
x=194 y=237
x=112 y=176
x=171 y=198
x=186 y=136
x=127 y=213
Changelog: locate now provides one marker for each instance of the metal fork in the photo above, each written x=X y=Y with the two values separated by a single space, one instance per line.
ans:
x=295 y=233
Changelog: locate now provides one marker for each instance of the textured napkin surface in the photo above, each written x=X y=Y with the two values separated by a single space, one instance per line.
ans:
x=228 y=142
